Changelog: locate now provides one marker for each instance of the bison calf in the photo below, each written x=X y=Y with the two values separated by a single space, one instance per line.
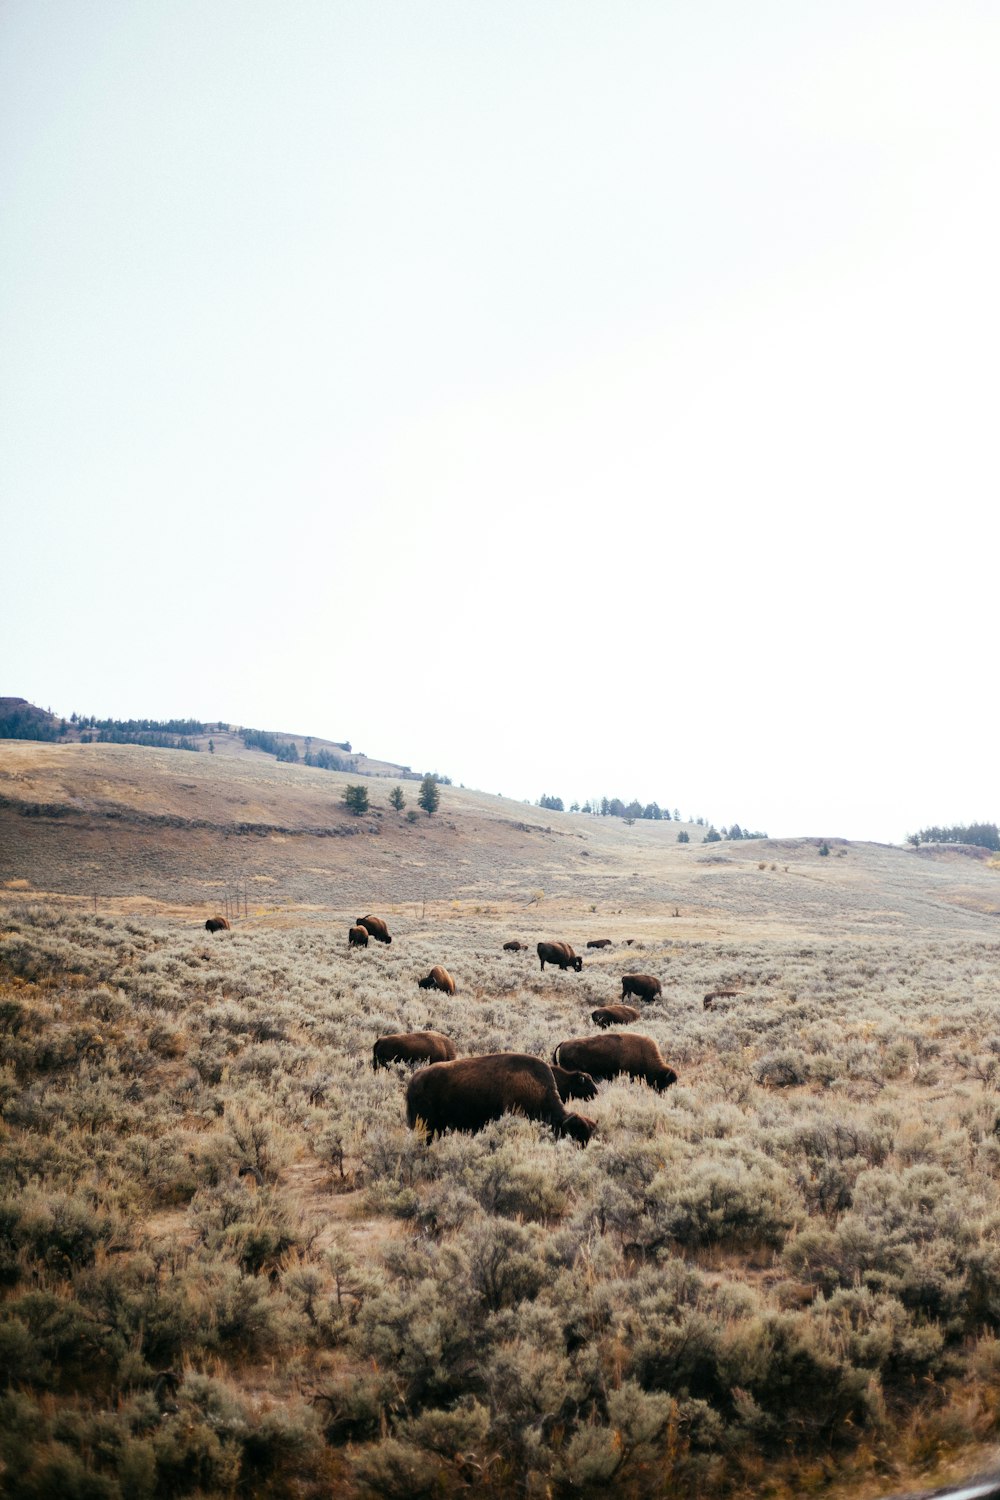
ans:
x=357 y=937
x=412 y=1047
x=613 y=1015
x=438 y=979
x=599 y=943
x=514 y=946
x=561 y=954
x=468 y=1094
x=609 y=1055
x=642 y=986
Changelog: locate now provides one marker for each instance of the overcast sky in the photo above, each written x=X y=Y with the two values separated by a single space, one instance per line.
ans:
x=582 y=398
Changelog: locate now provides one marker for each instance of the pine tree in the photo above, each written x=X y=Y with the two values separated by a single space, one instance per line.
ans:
x=356 y=800
x=397 y=799
x=429 y=797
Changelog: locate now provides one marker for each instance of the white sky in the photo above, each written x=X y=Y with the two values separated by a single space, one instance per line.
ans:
x=583 y=398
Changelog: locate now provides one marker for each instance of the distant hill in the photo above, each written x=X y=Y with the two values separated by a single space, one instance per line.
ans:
x=21 y=720
x=136 y=828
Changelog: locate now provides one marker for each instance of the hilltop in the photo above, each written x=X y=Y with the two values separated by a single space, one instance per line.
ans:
x=145 y=827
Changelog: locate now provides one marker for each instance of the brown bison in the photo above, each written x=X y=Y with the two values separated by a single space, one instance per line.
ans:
x=561 y=954
x=599 y=943
x=714 y=995
x=613 y=1015
x=618 y=1052
x=467 y=1094
x=216 y=924
x=642 y=986
x=412 y=1047
x=573 y=1084
x=514 y=947
x=438 y=979
x=357 y=937
x=375 y=928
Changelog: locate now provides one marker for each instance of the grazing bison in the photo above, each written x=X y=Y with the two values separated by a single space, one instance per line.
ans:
x=599 y=943
x=357 y=937
x=573 y=1085
x=514 y=947
x=438 y=979
x=561 y=954
x=467 y=1094
x=642 y=986
x=619 y=1052
x=412 y=1047
x=375 y=928
x=216 y=924
x=714 y=995
x=613 y=1015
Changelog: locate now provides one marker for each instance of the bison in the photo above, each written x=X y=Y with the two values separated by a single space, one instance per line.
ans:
x=618 y=1052
x=613 y=1015
x=216 y=924
x=599 y=943
x=438 y=979
x=412 y=1047
x=357 y=937
x=573 y=1085
x=561 y=954
x=375 y=928
x=514 y=947
x=468 y=1094
x=714 y=995
x=642 y=986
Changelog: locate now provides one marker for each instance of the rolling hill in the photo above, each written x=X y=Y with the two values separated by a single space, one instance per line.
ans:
x=164 y=829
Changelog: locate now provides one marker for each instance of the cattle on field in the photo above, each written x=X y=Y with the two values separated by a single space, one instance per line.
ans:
x=613 y=1015
x=612 y=1053
x=514 y=946
x=599 y=943
x=469 y=1093
x=642 y=986
x=357 y=937
x=412 y=1047
x=375 y=928
x=216 y=924
x=714 y=995
x=561 y=954
x=573 y=1084
x=438 y=979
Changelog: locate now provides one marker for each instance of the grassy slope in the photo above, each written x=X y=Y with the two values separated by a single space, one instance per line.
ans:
x=814 y=1202
x=171 y=829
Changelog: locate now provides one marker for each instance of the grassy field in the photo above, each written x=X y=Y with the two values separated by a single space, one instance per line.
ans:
x=228 y=1268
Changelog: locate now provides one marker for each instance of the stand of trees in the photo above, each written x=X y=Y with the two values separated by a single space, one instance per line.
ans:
x=985 y=835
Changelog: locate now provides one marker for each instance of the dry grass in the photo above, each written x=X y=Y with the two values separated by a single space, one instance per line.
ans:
x=778 y=1278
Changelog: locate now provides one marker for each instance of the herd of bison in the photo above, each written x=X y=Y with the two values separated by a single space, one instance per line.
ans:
x=453 y=1093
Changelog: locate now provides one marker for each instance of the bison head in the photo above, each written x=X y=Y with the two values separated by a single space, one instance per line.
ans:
x=579 y=1127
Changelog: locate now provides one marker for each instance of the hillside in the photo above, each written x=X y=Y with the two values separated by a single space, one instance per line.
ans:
x=165 y=829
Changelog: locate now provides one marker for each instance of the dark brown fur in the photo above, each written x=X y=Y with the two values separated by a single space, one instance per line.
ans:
x=467 y=1094
x=357 y=937
x=514 y=947
x=599 y=943
x=375 y=928
x=617 y=1052
x=438 y=979
x=614 y=1015
x=561 y=954
x=412 y=1047
x=217 y=924
x=642 y=986
x=573 y=1084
